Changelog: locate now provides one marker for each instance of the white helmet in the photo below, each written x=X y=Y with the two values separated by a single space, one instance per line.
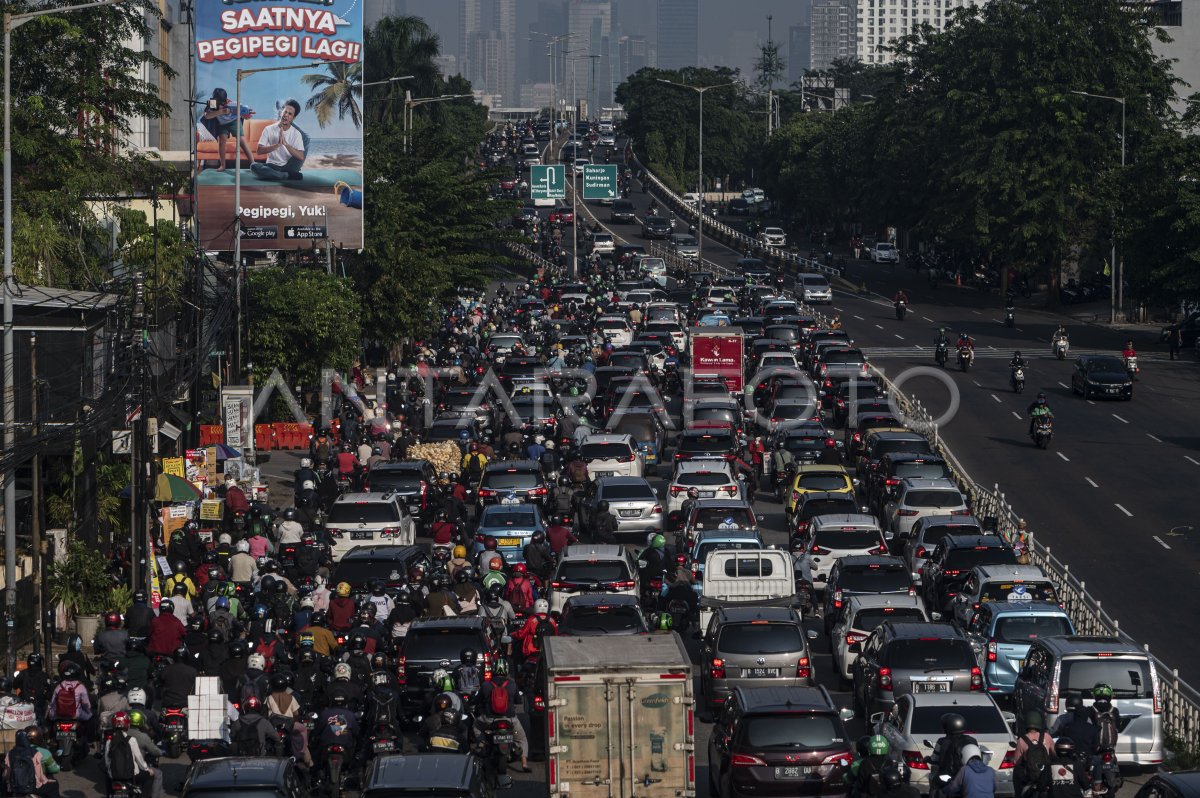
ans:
x=549 y=444
x=541 y=606
x=308 y=484
x=224 y=538
x=306 y=462
x=970 y=752
x=243 y=545
x=257 y=661
x=341 y=671
x=539 y=439
x=137 y=696
x=439 y=674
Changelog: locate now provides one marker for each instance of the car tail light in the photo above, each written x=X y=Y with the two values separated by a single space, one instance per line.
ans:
x=628 y=459
x=837 y=599
x=803 y=670
x=730 y=489
x=656 y=584
x=424 y=493
x=844 y=759
x=915 y=760
x=402 y=669
x=717 y=669
x=557 y=585
x=854 y=637
x=656 y=509
x=336 y=749
x=906 y=513
x=976 y=678
x=485 y=492
x=857 y=437
x=336 y=534
x=65 y=726
x=1155 y=687
x=1052 y=696
x=921 y=551
x=746 y=761
x=538 y=492
x=801 y=527
x=539 y=703
x=677 y=489
x=885 y=679
x=892 y=482
x=991 y=650
x=627 y=585
x=818 y=550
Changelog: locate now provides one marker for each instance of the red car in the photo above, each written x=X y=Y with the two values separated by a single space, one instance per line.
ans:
x=563 y=216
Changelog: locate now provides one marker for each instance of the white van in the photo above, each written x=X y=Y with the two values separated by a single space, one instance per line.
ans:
x=738 y=576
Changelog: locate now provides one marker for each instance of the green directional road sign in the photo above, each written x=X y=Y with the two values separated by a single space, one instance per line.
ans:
x=600 y=181
x=547 y=182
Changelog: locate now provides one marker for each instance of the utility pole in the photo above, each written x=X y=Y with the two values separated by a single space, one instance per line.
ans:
x=138 y=460
x=770 y=70
x=36 y=525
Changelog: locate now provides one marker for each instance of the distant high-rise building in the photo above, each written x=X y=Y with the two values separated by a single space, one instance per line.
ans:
x=678 y=33
x=881 y=23
x=799 y=51
x=589 y=22
x=551 y=20
x=833 y=32
x=635 y=55
x=487 y=46
x=375 y=10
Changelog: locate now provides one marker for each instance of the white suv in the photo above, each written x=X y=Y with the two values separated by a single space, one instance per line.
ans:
x=592 y=568
x=885 y=252
x=815 y=288
x=773 y=237
x=713 y=478
x=360 y=519
x=609 y=455
x=917 y=498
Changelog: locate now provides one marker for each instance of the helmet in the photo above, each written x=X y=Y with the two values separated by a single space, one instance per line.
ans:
x=490 y=543
x=953 y=723
x=306 y=462
x=468 y=656
x=1041 y=398
x=257 y=661
x=520 y=568
x=34 y=735
x=338 y=699
x=969 y=752
x=878 y=745
x=137 y=719
x=441 y=580
x=891 y=776
x=137 y=696
x=602 y=506
x=357 y=642
x=541 y=606
x=222 y=603
x=1034 y=720
x=496 y=563
x=34 y=660
x=460 y=552
x=289 y=514
x=1102 y=692
x=112 y=620
x=665 y=622
x=1064 y=748
x=501 y=667
x=442 y=703
x=341 y=671
x=279 y=682
x=1017 y=354
x=1074 y=702
x=243 y=546
x=658 y=542
x=215 y=637
x=166 y=606
x=71 y=671
x=239 y=649
x=464 y=574
x=180 y=567
x=343 y=589
x=377 y=587
x=251 y=704
x=537 y=537
x=494 y=591
x=121 y=720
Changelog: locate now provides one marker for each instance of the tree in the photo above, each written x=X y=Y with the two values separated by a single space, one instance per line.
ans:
x=394 y=47
x=339 y=91
x=301 y=322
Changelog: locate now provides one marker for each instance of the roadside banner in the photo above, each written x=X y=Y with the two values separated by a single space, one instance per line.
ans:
x=299 y=130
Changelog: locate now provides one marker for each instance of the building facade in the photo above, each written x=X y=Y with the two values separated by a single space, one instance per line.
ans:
x=882 y=22
x=833 y=31
x=678 y=33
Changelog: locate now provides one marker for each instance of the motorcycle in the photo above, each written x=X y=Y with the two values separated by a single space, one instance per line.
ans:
x=1061 y=346
x=1018 y=379
x=1131 y=366
x=1043 y=431
x=1110 y=771
x=966 y=356
x=1010 y=317
x=66 y=736
x=335 y=763
x=498 y=749
x=174 y=725
x=941 y=354
x=901 y=309
x=385 y=740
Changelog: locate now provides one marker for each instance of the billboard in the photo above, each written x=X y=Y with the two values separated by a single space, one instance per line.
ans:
x=299 y=129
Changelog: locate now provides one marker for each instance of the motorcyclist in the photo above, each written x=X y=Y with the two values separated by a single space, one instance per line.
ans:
x=899 y=297
x=868 y=766
x=974 y=779
x=109 y=645
x=166 y=631
x=965 y=342
x=139 y=616
x=894 y=785
x=1077 y=725
x=290 y=530
x=559 y=535
x=252 y=733
x=947 y=751
x=1060 y=334
x=1017 y=361
x=484 y=707
x=539 y=559
x=1039 y=408
x=75 y=705
x=537 y=626
x=942 y=339
x=604 y=525
x=1034 y=737
x=336 y=725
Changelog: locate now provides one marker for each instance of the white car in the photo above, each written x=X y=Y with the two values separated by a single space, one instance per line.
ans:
x=616 y=329
x=713 y=478
x=815 y=289
x=885 y=252
x=603 y=243
x=609 y=455
x=691 y=198
x=777 y=360
x=773 y=237
x=607 y=140
x=360 y=519
x=917 y=498
x=673 y=329
x=655 y=269
x=831 y=537
x=862 y=614
x=579 y=164
x=592 y=568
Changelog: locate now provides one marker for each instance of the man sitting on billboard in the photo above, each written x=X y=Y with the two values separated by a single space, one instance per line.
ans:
x=283 y=143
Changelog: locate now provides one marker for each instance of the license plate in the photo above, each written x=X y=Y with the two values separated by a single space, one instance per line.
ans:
x=1112 y=390
x=761 y=673
x=383 y=746
x=502 y=739
x=707 y=494
x=363 y=535
x=931 y=687
x=510 y=500
x=793 y=771
x=508 y=542
x=66 y=735
x=630 y=513
x=605 y=473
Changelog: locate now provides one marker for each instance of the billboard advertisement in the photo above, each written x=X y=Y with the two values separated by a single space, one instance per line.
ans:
x=719 y=352
x=299 y=130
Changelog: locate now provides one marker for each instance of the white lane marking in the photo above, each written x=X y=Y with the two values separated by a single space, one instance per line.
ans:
x=1020 y=330
x=927 y=319
x=1118 y=418
x=1016 y=415
x=976 y=312
x=992 y=348
x=1190 y=460
x=1161 y=542
x=1068 y=387
x=1090 y=402
x=977 y=384
x=898 y=335
x=1154 y=438
x=1064 y=457
x=860 y=318
x=1122 y=509
x=997 y=398
x=880 y=326
x=1090 y=482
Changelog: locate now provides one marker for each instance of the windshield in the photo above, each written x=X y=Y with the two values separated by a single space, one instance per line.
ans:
x=876 y=579
x=934 y=535
x=700 y=478
x=606 y=451
x=835 y=538
x=641 y=429
x=930 y=654
x=868 y=619
x=724 y=518
x=521 y=480
x=587 y=572
x=844 y=356
x=759 y=638
x=612 y=324
x=933 y=498
x=817 y=507
x=705 y=443
x=1021 y=591
x=966 y=559
x=363 y=513
x=792 y=731
x=822 y=482
x=1129 y=678
x=1105 y=364
x=1027 y=628
x=980 y=720
x=806 y=444
x=382 y=482
x=600 y=619
x=920 y=471
x=628 y=492
x=704 y=548
x=497 y=517
x=439 y=643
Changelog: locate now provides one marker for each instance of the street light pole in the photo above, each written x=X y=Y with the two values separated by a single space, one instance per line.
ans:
x=1116 y=288
x=700 y=162
x=410 y=103
x=11 y=23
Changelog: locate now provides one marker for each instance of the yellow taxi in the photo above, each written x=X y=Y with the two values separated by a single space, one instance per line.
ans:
x=818 y=478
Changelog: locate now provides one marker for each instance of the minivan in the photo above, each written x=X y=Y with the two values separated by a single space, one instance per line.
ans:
x=753 y=647
x=901 y=658
x=1059 y=667
x=1011 y=584
x=1004 y=632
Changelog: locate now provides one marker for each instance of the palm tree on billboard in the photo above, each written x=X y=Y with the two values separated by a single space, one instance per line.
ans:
x=337 y=90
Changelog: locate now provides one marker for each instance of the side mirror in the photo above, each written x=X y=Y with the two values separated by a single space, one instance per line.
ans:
x=935 y=616
x=876 y=718
x=812 y=634
x=845 y=713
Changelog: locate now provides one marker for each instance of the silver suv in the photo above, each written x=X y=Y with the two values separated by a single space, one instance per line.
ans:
x=754 y=647
x=592 y=568
x=360 y=519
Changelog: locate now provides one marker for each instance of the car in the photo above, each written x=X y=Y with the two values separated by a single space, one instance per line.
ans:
x=685 y=246
x=859 y=617
x=592 y=568
x=462 y=430
x=657 y=228
x=276 y=777
x=508 y=482
x=579 y=165
x=773 y=237
x=1003 y=631
x=814 y=289
x=894 y=467
x=1180 y=784
x=631 y=500
x=952 y=560
x=1012 y=584
x=362 y=565
x=816 y=503
x=725 y=515
x=429 y=643
x=779 y=741
x=880 y=440
x=856 y=392
x=601 y=614
x=753 y=647
x=706 y=442
x=907 y=657
x=563 y=213
x=1057 y=668
x=862 y=425
x=512 y=526
x=603 y=243
x=363 y=518
x=738 y=206
x=863 y=574
x=809 y=443
x=830 y=537
x=885 y=252
x=646 y=428
x=712 y=477
x=927 y=533
x=817 y=478
x=623 y=212
x=607 y=139
x=916 y=718
x=718 y=540
x=691 y=198
x=1101 y=377
x=445 y=775
x=754 y=268
x=916 y=497
x=414 y=481
x=615 y=329
x=610 y=455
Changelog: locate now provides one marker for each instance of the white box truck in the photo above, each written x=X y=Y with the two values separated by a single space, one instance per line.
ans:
x=620 y=717
x=751 y=577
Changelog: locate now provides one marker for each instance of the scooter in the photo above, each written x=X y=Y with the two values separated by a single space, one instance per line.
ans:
x=1061 y=347
x=1043 y=431
x=1131 y=366
x=174 y=725
x=66 y=738
x=1010 y=317
x=941 y=354
x=1018 y=379
x=966 y=356
x=901 y=309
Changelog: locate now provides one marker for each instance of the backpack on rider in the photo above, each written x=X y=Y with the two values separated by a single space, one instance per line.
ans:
x=1035 y=764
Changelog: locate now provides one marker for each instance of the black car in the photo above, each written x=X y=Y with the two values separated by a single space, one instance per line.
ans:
x=656 y=228
x=515 y=482
x=754 y=269
x=364 y=564
x=858 y=574
x=951 y=563
x=623 y=212
x=415 y=481
x=244 y=775
x=818 y=503
x=738 y=207
x=602 y=614
x=433 y=643
x=444 y=775
x=1101 y=377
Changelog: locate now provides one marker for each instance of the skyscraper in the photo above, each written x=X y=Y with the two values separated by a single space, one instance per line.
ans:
x=487 y=46
x=678 y=33
x=834 y=34
x=882 y=22
x=590 y=24
x=375 y=10
x=551 y=20
x=799 y=51
x=635 y=55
